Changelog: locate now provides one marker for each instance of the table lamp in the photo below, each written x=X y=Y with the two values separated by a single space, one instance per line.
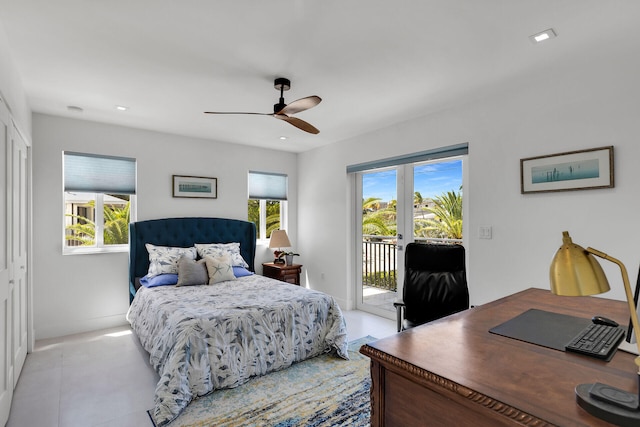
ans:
x=574 y=272
x=279 y=239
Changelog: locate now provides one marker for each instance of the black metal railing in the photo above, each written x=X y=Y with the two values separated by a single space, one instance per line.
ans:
x=380 y=260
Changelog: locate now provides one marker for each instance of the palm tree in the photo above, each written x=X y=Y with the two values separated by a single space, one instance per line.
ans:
x=376 y=221
x=116 y=227
x=448 y=220
x=417 y=198
x=273 y=216
x=83 y=232
x=116 y=224
x=370 y=204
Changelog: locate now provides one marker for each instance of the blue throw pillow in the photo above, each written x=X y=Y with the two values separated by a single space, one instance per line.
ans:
x=159 y=280
x=241 y=271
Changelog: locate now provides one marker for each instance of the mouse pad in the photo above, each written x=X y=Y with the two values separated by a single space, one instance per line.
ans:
x=552 y=330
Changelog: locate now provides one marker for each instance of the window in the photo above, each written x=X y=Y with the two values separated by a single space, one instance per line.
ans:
x=267 y=202
x=99 y=202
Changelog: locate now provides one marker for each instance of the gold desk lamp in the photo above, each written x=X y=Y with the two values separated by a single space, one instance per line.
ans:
x=575 y=272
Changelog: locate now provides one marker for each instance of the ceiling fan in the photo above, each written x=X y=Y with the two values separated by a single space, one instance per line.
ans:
x=283 y=111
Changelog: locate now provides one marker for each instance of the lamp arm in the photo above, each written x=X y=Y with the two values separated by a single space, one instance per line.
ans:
x=627 y=289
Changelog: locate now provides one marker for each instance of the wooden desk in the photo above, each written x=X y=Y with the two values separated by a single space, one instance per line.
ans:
x=453 y=372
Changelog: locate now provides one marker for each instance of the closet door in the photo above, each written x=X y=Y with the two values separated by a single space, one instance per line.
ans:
x=18 y=296
x=6 y=365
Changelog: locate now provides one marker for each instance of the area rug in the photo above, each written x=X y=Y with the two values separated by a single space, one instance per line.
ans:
x=325 y=391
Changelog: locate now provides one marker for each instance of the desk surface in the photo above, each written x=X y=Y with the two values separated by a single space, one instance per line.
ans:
x=502 y=379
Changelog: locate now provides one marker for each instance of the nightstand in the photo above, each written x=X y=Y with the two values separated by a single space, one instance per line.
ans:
x=282 y=272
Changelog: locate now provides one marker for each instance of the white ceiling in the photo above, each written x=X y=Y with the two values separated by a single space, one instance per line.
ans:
x=374 y=63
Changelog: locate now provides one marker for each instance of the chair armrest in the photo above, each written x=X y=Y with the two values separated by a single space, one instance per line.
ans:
x=399 y=305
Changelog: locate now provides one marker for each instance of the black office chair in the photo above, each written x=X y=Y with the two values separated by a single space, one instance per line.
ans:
x=435 y=284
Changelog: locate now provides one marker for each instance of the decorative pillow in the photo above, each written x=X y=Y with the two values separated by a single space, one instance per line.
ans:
x=241 y=271
x=164 y=259
x=216 y=250
x=220 y=269
x=159 y=280
x=192 y=272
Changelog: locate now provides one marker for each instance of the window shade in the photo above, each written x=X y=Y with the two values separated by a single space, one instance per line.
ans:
x=437 y=153
x=268 y=186
x=91 y=173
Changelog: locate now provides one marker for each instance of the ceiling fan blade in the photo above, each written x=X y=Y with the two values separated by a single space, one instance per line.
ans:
x=300 y=124
x=237 y=112
x=301 y=105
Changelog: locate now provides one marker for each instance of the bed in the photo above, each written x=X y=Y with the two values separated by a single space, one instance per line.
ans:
x=207 y=337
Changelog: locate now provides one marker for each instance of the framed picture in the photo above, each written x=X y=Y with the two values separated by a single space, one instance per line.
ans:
x=195 y=186
x=573 y=170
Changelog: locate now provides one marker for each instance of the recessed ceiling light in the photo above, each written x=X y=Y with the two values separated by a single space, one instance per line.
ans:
x=283 y=138
x=74 y=109
x=542 y=36
x=121 y=108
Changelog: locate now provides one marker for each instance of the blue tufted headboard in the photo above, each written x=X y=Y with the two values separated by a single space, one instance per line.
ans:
x=184 y=232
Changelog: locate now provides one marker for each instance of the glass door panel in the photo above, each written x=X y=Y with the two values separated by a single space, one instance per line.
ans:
x=437 y=201
x=378 y=284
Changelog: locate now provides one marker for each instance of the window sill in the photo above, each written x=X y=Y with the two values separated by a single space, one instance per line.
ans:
x=91 y=251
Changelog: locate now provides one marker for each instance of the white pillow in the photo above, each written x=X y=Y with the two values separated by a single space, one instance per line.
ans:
x=164 y=259
x=217 y=250
x=220 y=269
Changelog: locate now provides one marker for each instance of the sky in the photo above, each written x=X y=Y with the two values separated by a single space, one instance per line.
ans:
x=432 y=179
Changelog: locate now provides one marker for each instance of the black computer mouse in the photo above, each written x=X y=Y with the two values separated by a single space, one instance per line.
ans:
x=600 y=320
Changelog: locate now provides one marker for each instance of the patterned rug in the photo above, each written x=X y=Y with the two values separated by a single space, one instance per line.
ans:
x=325 y=391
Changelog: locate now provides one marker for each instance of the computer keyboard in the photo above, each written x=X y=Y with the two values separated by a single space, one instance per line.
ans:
x=597 y=340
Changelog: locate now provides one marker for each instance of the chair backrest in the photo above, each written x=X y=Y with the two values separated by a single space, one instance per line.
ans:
x=435 y=282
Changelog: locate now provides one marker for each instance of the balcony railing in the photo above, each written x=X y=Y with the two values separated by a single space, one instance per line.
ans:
x=379 y=262
x=380 y=259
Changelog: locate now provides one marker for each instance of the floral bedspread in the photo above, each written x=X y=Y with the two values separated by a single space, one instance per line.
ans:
x=202 y=338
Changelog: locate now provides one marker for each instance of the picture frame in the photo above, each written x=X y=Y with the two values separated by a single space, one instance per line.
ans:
x=572 y=170
x=200 y=187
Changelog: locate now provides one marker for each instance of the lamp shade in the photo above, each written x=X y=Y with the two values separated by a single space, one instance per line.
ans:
x=575 y=272
x=279 y=239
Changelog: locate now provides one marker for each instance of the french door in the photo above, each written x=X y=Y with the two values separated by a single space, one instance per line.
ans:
x=382 y=230
x=395 y=206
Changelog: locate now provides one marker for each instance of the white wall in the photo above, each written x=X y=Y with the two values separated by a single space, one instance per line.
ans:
x=582 y=103
x=588 y=103
x=11 y=88
x=75 y=293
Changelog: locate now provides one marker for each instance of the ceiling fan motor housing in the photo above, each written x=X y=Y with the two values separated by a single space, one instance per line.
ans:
x=281 y=84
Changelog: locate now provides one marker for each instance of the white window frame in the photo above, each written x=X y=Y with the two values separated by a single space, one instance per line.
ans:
x=99 y=246
x=261 y=231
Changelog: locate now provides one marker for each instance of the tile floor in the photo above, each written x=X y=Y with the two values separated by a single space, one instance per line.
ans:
x=380 y=298
x=103 y=378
